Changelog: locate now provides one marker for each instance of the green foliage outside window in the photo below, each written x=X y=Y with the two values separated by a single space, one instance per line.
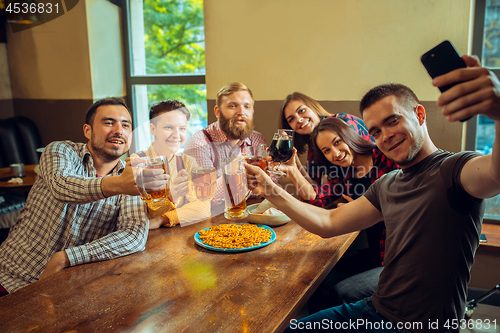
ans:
x=174 y=41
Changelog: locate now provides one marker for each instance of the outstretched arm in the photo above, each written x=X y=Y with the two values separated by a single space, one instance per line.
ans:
x=302 y=184
x=354 y=216
x=478 y=94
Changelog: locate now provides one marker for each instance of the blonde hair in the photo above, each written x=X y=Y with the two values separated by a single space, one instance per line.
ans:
x=232 y=88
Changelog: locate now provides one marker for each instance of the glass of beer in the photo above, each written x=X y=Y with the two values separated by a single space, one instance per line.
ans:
x=152 y=188
x=256 y=155
x=281 y=149
x=203 y=182
x=236 y=190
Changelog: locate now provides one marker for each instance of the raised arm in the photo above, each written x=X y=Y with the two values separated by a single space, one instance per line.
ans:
x=354 y=216
x=478 y=94
x=191 y=211
x=302 y=184
x=201 y=149
x=304 y=173
x=121 y=184
x=57 y=171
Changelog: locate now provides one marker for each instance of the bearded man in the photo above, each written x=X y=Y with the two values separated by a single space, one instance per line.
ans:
x=84 y=206
x=229 y=135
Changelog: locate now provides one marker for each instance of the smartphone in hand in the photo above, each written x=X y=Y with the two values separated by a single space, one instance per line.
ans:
x=442 y=59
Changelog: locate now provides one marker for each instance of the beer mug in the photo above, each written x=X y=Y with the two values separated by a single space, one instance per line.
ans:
x=235 y=190
x=153 y=189
x=203 y=182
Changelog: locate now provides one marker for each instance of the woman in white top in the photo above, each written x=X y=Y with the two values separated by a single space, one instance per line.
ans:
x=168 y=124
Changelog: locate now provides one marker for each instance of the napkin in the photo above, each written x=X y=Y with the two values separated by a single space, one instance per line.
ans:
x=263 y=206
x=15 y=180
x=272 y=211
x=266 y=208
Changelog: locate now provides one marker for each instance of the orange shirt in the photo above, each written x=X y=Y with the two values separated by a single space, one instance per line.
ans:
x=187 y=209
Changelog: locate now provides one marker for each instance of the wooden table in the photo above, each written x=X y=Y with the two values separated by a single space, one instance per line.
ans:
x=28 y=179
x=485 y=273
x=177 y=286
x=492 y=232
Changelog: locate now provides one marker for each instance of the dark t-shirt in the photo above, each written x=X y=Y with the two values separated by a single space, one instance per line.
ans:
x=433 y=229
x=360 y=185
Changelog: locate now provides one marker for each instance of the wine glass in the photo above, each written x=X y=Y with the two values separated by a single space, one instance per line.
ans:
x=256 y=155
x=281 y=149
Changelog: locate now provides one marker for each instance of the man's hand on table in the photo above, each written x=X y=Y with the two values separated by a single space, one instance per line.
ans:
x=57 y=263
x=157 y=221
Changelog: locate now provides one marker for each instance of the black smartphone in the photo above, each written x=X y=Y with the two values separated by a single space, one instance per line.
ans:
x=442 y=59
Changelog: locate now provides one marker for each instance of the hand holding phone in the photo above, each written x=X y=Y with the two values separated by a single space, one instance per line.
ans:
x=442 y=59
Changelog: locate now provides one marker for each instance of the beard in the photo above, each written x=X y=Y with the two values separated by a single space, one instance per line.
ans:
x=109 y=155
x=412 y=154
x=233 y=131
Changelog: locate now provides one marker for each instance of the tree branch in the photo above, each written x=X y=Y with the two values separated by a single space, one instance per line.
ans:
x=179 y=45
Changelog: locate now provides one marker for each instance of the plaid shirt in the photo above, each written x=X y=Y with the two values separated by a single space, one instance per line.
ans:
x=202 y=150
x=66 y=210
x=357 y=124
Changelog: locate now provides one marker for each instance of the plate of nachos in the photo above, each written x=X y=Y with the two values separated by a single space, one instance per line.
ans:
x=235 y=237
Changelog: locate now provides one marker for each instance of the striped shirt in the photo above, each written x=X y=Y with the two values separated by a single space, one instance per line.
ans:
x=187 y=209
x=202 y=150
x=66 y=210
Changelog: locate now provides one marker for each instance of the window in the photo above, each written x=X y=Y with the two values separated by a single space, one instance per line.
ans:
x=486 y=44
x=165 y=43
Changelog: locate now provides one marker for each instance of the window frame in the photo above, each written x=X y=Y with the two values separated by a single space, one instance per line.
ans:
x=477 y=48
x=149 y=79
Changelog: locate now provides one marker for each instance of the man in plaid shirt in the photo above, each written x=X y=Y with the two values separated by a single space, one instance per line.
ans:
x=229 y=135
x=83 y=206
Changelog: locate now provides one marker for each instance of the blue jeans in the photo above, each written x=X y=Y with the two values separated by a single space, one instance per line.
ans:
x=358 y=286
x=355 y=317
